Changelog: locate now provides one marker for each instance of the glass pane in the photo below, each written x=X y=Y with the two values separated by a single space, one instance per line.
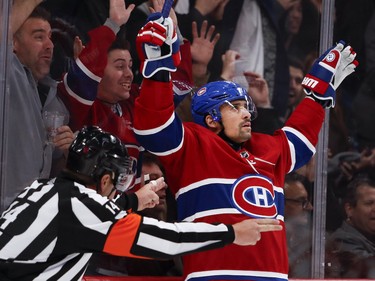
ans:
x=275 y=40
x=350 y=196
x=5 y=48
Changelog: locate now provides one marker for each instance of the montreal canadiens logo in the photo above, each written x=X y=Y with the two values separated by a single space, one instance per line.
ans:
x=201 y=91
x=331 y=57
x=253 y=196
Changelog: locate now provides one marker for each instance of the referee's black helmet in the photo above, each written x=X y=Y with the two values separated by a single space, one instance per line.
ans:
x=95 y=152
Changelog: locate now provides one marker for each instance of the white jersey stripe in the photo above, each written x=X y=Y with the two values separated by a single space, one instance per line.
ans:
x=169 y=247
x=72 y=272
x=227 y=272
x=55 y=268
x=46 y=214
x=88 y=218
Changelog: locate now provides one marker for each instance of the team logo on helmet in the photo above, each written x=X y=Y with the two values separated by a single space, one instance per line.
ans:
x=201 y=91
x=253 y=196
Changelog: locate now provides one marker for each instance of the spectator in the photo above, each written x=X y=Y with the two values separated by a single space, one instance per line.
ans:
x=296 y=93
x=348 y=165
x=52 y=228
x=298 y=225
x=229 y=172
x=353 y=243
x=291 y=21
x=309 y=37
x=343 y=168
x=32 y=92
x=152 y=169
x=249 y=27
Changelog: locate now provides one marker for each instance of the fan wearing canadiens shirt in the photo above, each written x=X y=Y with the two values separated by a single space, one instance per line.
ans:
x=217 y=168
x=98 y=89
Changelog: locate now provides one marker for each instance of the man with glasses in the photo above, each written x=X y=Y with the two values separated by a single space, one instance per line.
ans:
x=297 y=217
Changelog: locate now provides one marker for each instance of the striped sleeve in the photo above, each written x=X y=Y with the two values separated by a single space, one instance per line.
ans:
x=302 y=131
x=161 y=132
x=157 y=239
x=103 y=226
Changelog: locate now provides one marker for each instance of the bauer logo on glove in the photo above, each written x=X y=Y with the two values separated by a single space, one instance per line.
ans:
x=328 y=71
x=158 y=46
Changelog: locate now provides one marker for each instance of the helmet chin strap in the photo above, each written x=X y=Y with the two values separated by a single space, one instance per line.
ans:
x=99 y=190
x=236 y=146
x=112 y=190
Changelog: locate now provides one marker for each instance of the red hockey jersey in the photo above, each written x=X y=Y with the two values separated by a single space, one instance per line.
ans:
x=214 y=183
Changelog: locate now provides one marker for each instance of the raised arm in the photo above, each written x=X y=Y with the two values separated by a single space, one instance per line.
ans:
x=21 y=10
x=118 y=11
x=320 y=84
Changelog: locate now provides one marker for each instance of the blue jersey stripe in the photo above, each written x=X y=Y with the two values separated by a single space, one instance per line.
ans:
x=81 y=84
x=302 y=151
x=213 y=198
x=168 y=139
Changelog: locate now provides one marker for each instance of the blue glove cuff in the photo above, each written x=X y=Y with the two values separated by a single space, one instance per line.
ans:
x=320 y=72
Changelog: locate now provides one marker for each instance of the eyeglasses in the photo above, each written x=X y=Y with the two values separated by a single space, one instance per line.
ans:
x=304 y=202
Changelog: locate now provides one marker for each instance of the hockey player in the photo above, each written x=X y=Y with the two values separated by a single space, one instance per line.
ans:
x=219 y=170
x=52 y=228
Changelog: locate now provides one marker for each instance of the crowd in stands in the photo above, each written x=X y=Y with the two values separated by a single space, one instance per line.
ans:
x=267 y=46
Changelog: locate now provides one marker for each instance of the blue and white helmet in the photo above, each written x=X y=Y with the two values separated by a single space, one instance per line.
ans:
x=209 y=98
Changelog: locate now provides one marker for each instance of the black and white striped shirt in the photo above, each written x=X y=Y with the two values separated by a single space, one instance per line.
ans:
x=52 y=228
